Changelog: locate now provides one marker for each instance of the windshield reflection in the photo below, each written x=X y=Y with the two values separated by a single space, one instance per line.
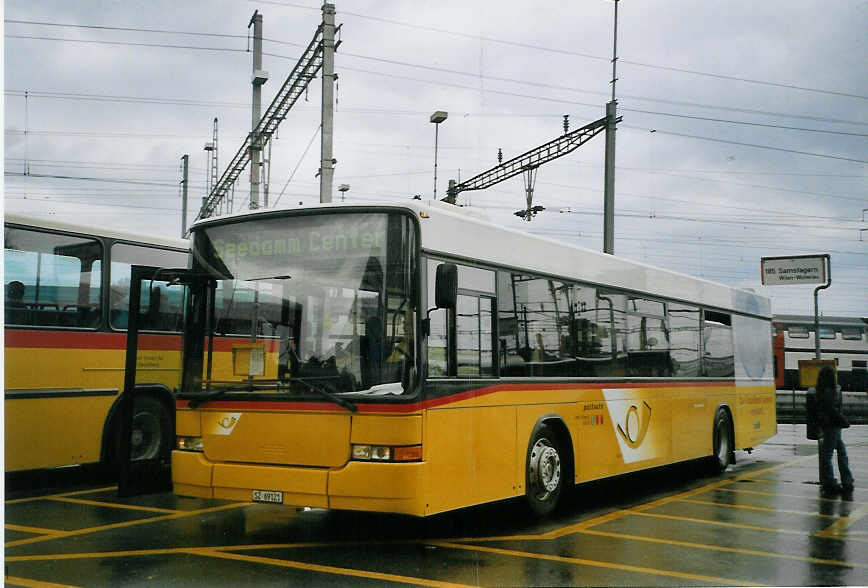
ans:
x=312 y=304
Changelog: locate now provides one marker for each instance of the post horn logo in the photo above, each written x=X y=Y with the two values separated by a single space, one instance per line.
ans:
x=227 y=422
x=640 y=429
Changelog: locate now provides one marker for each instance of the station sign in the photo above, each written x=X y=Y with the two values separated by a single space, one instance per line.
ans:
x=800 y=269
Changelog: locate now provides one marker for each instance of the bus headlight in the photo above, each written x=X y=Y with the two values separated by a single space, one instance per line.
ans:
x=385 y=453
x=190 y=444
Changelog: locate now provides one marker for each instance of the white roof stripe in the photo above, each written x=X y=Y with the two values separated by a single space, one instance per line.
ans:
x=42 y=222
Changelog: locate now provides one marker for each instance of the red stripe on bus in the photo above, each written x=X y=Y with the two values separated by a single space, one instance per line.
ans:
x=282 y=405
x=43 y=339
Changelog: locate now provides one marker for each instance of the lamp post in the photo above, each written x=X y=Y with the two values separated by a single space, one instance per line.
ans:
x=343 y=189
x=437 y=118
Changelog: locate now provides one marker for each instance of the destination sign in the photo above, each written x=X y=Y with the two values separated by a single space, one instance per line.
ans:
x=802 y=269
x=301 y=237
x=241 y=245
x=288 y=247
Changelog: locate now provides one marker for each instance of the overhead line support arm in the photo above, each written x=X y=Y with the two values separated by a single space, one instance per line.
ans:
x=532 y=159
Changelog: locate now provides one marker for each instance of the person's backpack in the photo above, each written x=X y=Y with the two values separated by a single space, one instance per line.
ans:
x=812 y=417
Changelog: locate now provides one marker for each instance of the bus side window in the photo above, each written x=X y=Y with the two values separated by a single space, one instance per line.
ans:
x=438 y=336
x=473 y=329
x=647 y=339
x=539 y=334
x=718 y=357
x=470 y=328
x=57 y=279
x=684 y=340
x=161 y=306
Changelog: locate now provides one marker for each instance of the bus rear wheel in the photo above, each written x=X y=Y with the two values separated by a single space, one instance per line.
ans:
x=724 y=443
x=545 y=472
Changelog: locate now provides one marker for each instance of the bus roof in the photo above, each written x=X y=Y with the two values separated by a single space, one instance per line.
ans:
x=46 y=223
x=465 y=233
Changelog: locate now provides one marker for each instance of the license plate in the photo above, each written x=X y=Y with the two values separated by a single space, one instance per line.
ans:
x=268 y=496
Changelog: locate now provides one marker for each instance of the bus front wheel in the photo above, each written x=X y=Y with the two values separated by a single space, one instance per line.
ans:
x=150 y=436
x=545 y=472
x=723 y=441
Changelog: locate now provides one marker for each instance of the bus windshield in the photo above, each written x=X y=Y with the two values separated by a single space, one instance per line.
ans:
x=319 y=304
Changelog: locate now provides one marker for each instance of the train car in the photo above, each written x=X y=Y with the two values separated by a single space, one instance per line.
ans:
x=844 y=339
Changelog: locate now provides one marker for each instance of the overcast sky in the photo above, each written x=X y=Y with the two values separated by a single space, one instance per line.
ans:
x=743 y=134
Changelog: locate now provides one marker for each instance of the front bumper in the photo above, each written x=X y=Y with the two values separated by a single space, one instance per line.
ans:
x=380 y=487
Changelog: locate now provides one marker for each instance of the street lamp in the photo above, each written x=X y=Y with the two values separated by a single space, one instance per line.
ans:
x=343 y=189
x=437 y=118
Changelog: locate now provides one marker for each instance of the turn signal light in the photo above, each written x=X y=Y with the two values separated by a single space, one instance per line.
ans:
x=190 y=444
x=411 y=453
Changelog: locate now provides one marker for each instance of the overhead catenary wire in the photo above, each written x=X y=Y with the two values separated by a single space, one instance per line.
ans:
x=475 y=75
x=455 y=33
x=90 y=179
x=574 y=53
x=297 y=165
x=753 y=145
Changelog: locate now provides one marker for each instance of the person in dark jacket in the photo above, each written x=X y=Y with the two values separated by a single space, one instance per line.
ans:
x=829 y=403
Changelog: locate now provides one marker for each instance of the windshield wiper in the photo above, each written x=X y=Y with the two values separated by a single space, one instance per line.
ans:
x=246 y=386
x=199 y=401
x=326 y=394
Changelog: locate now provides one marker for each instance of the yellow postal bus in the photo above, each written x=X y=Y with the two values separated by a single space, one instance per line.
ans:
x=414 y=359
x=66 y=309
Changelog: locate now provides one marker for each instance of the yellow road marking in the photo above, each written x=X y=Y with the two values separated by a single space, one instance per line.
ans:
x=741 y=550
x=158 y=551
x=840 y=527
x=113 y=505
x=556 y=533
x=62 y=494
x=87 y=530
x=610 y=516
x=34 y=583
x=760 y=492
x=720 y=523
x=37 y=530
x=323 y=569
x=758 y=508
x=778 y=480
x=595 y=563
x=96 y=555
x=746 y=476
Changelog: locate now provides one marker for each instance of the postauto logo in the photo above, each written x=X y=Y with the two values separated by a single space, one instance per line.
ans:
x=631 y=423
x=635 y=425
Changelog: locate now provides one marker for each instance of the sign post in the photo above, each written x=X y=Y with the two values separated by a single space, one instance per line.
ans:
x=800 y=269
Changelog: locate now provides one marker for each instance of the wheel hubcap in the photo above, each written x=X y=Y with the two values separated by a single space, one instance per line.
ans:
x=545 y=468
x=145 y=436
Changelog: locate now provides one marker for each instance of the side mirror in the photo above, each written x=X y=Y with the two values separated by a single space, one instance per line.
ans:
x=446 y=286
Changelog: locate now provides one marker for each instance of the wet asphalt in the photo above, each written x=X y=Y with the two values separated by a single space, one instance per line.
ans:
x=763 y=522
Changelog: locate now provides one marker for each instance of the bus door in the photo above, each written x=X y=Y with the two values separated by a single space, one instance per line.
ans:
x=152 y=370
